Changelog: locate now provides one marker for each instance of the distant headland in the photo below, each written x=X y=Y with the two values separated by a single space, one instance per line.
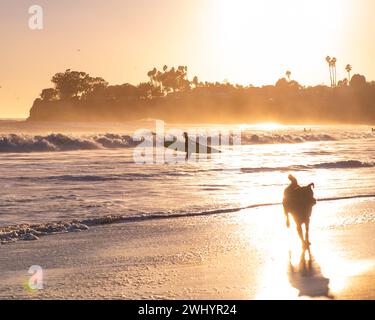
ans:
x=170 y=95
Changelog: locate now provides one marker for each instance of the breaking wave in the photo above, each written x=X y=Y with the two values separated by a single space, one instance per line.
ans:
x=284 y=138
x=349 y=164
x=61 y=142
x=19 y=143
x=344 y=164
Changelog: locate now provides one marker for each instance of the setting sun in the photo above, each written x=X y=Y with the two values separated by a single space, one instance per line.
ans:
x=284 y=33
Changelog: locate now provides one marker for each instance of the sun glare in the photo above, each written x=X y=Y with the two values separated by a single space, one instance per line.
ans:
x=284 y=33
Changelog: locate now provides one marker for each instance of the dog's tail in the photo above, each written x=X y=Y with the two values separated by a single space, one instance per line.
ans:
x=312 y=185
x=292 y=179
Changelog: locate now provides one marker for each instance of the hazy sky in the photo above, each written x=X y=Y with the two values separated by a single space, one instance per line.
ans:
x=244 y=41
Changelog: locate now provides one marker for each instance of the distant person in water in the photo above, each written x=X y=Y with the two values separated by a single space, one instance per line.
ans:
x=186 y=138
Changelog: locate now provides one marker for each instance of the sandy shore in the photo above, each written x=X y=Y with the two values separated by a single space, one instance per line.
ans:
x=244 y=255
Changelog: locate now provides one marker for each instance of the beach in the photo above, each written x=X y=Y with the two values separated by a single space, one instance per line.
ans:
x=242 y=255
x=93 y=223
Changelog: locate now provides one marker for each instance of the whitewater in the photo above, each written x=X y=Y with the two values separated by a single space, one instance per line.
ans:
x=68 y=181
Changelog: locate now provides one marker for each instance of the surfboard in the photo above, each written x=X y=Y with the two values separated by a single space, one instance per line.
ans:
x=193 y=147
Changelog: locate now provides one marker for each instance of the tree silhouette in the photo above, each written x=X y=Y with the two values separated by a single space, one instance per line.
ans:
x=49 y=94
x=332 y=70
x=75 y=84
x=328 y=59
x=145 y=90
x=167 y=81
x=195 y=82
x=151 y=74
x=286 y=101
x=343 y=83
x=358 y=81
x=333 y=61
x=119 y=92
x=348 y=69
x=288 y=74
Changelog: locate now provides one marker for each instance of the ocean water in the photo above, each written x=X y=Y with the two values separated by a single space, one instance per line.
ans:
x=89 y=175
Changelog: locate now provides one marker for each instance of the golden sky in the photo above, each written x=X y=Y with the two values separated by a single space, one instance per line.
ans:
x=243 y=41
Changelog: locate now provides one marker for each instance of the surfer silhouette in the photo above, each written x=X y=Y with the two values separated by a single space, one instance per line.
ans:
x=186 y=137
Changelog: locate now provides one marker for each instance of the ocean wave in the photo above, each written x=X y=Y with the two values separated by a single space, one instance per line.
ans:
x=103 y=178
x=28 y=232
x=61 y=142
x=346 y=164
x=19 y=143
x=249 y=138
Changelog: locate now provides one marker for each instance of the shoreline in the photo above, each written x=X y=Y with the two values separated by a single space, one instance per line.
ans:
x=31 y=232
x=230 y=256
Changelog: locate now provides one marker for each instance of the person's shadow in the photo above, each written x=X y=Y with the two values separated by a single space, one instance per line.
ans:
x=307 y=277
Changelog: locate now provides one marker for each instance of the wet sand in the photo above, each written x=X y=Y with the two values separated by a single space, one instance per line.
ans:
x=244 y=255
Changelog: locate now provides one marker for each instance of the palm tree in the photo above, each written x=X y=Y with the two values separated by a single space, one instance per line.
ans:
x=332 y=70
x=328 y=59
x=348 y=69
x=288 y=74
x=334 y=60
x=195 y=81
x=151 y=74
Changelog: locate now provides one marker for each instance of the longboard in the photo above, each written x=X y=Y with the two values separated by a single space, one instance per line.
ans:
x=193 y=147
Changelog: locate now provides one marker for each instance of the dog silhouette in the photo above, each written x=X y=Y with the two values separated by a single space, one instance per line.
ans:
x=299 y=202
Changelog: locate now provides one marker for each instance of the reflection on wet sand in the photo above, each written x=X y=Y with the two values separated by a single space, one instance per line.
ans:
x=335 y=268
x=307 y=277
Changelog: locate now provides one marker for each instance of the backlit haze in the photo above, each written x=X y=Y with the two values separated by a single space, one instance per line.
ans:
x=241 y=41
